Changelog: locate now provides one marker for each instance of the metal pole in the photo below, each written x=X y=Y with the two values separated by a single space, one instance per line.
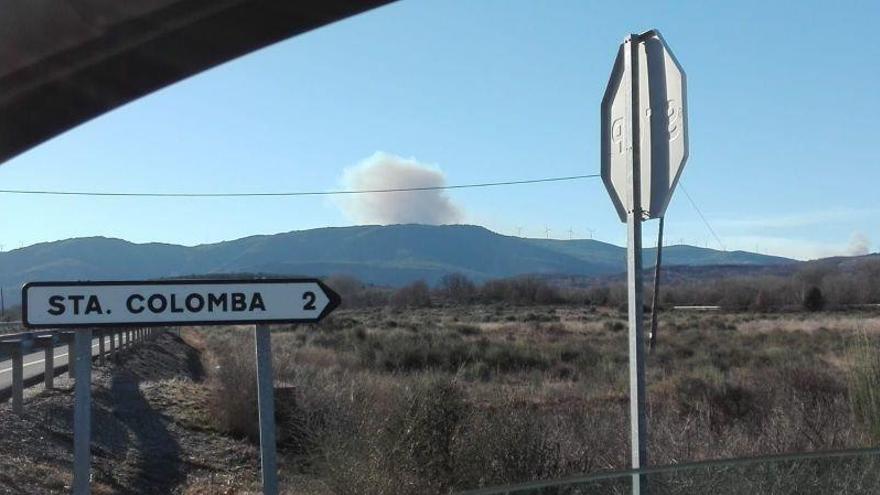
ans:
x=655 y=298
x=266 y=404
x=17 y=380
x=82 y=421
x=638 y=419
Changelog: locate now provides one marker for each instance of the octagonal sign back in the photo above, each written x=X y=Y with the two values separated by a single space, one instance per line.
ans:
x=663 y=133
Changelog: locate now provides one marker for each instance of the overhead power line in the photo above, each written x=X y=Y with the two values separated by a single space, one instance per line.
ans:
x=295 y=193
x=706 y=222
x=338 y=192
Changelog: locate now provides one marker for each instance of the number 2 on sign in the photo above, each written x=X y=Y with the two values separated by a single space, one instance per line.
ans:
x=309 y=298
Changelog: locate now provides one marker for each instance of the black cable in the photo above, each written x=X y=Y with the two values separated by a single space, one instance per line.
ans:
x=295 y=193
x=718 y=239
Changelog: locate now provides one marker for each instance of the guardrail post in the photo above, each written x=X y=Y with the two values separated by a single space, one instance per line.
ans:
x=47 y=343
x=70 y=358
x=17 y=381
x=112 y=335
x=101 y=358
x=49 y=369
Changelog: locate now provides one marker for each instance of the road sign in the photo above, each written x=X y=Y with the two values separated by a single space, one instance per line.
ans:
x=175 y=302
x=661 y=129
x=88 y=305
x=644 y=147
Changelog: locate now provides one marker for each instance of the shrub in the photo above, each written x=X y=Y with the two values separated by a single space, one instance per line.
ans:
x=234 y=397
x=864 y=385
x=414 y=295
x=813 y=299
x=428 y=423
x=520 y=290
x=457 y=288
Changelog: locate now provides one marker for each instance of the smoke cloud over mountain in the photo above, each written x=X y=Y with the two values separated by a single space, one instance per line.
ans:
x=387 y=171
x=859 y=245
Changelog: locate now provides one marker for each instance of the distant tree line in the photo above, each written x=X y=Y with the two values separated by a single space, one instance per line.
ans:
x=815 y=287
x=453 y=288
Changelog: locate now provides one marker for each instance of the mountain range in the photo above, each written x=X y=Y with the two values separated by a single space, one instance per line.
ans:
x=383 y=255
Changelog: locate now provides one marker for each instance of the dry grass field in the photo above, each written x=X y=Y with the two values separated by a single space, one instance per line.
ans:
x=434 y=400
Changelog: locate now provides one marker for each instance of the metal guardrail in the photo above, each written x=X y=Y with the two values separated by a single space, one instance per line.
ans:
x=112 y=343
x=9 y=327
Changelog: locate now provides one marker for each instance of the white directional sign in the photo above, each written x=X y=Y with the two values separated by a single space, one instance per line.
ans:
x=177 y=302
x=661 y=129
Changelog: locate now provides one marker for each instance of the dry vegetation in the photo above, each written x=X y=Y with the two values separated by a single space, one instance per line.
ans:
x=396 y=400
x=151 y=434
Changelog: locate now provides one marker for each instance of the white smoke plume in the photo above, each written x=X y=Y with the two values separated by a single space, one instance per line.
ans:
x=387 y=171
x=859 y=245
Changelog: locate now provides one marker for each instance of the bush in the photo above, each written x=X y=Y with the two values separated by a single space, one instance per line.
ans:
x=864 y=385
x=813 y=300
x=428 y=423
x=234 y=398
x=414 y=295
x=356 y=294
x=457 y=288
x=520 y=290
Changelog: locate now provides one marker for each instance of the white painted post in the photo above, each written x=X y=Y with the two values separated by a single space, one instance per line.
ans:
x=638 y=418
x=82 y=421
x=112 y=335
x=266 y=404
x=17 y=381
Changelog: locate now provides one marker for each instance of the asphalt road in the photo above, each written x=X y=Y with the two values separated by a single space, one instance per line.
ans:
x=33 y=363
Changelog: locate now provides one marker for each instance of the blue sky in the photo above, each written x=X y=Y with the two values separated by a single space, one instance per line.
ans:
x=783 y=127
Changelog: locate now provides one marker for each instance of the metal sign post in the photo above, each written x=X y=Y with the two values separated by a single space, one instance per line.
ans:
x=266 y=405
x=644 y=148
x=638 y=418
x=82 y=414
x=139 y=304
